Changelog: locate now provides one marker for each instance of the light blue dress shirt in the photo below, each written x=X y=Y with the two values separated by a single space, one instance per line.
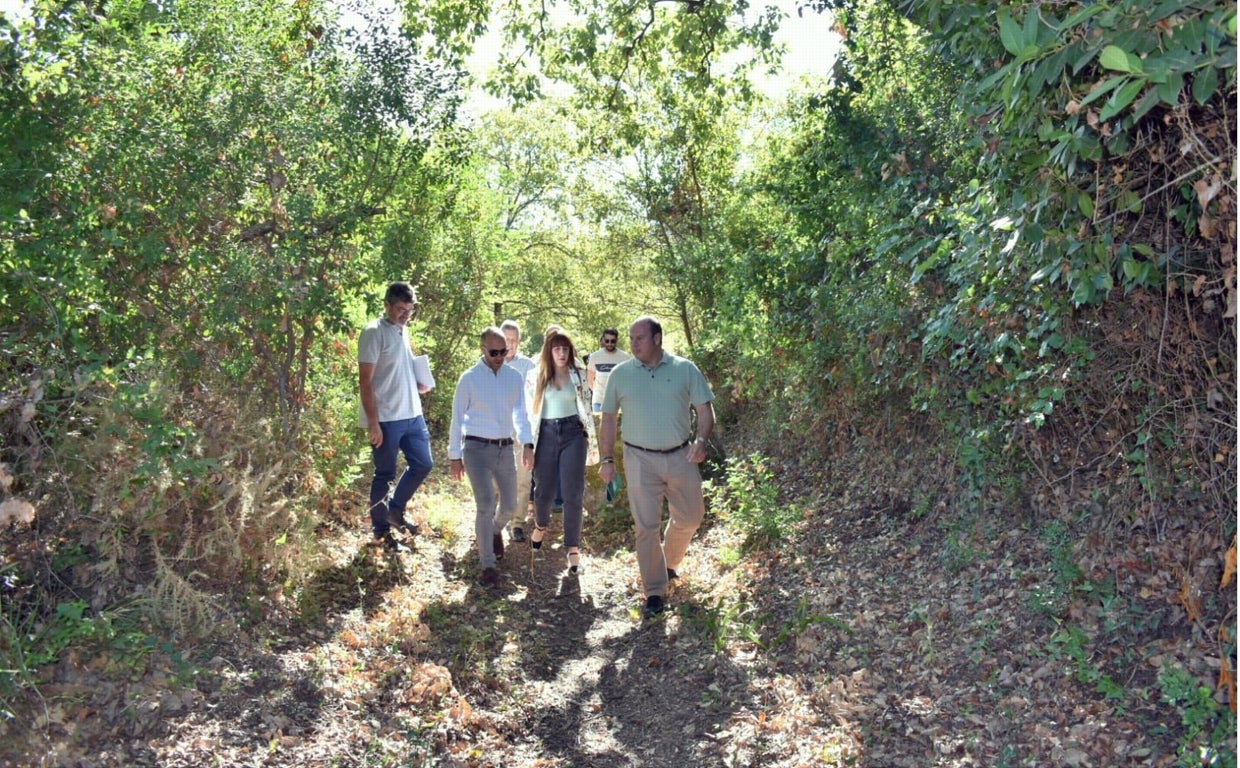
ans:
x=489 y=404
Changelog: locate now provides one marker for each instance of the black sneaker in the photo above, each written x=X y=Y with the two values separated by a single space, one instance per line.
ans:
x=391 y=543
x=654 y=606
x=409 y=528
x=672 y=575
x=518 y=533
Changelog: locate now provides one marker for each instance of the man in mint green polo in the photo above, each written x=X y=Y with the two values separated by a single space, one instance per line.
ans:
x=658 y=392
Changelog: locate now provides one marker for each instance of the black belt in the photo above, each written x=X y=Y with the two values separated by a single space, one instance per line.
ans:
x=562 y=420
x=659 y=450
x=489 y=441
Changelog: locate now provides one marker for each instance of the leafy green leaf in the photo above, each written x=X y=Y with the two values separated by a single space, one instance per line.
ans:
x=1085 y=204
x=1169 y=91
x=1081 y=15
x=1009 y=32
x=1114 y=58
x=1205 y=85
x=1147 y=102
x=1121 y=99
x=1104 y=88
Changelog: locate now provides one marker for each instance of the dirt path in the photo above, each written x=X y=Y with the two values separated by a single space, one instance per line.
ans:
x=550 y=668
x=870 y=637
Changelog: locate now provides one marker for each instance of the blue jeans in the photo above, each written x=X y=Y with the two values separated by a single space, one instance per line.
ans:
x=413 y=439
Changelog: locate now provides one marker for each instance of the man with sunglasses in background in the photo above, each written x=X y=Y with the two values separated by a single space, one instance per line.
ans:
x=487 y=410
x=392 y=413
x=601 y=363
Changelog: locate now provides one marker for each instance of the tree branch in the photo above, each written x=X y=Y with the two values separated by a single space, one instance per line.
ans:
x=317 y=229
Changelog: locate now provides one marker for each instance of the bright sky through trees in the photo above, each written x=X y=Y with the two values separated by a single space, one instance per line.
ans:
x=812 y=48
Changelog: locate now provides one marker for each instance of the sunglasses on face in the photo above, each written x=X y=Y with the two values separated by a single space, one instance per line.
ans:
x=609 y=341
x=495 y=352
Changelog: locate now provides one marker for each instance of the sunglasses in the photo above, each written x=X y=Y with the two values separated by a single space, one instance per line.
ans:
x=496 y=352
x=610 y=341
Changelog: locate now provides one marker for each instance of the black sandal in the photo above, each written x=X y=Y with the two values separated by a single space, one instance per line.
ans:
x=536 y=538
x=574 y=561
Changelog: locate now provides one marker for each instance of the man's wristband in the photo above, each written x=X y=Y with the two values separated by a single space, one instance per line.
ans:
x=608 y=460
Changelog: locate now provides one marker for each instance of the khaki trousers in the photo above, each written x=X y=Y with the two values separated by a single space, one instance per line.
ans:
x=651 y=478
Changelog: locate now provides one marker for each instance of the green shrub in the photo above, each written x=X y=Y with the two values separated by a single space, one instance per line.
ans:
x=747 y=500
x=1209 y=737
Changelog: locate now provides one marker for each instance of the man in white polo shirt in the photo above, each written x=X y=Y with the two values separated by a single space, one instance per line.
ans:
x=658 y=392
x=392 y=412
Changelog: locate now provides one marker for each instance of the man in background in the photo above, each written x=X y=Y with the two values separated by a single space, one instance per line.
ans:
x=523 y=365
x=600 y=364
x=392 y=413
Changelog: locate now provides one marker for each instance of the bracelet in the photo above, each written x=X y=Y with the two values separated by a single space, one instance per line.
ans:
x=608 y=460
x=701 y=440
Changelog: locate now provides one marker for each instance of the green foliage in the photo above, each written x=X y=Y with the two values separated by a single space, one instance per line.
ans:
x=35 y=635
x=1058 y=221
x=1071 y=642
x=1210 y=736
x=747 y=500
x=1053 y=597
x=195 y=231
x=724 y=620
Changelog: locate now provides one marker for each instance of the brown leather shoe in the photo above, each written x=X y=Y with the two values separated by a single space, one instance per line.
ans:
x=489 y=578
x=497 y=544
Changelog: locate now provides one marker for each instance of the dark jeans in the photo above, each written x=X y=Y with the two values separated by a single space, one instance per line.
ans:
x=560 y=463
x=413 y=439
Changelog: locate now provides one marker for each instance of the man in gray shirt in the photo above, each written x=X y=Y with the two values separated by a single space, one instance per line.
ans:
x=659 y=394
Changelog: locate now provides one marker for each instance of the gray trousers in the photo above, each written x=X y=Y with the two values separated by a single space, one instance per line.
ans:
x=492 y=475
x=560 y=463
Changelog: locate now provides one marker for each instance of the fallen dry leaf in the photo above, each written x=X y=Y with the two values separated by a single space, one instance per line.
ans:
x=1229 y=565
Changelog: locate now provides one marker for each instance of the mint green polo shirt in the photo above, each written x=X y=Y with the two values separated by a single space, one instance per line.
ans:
x=656 y=402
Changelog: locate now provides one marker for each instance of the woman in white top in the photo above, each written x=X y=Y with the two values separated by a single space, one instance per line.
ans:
x=563 y=426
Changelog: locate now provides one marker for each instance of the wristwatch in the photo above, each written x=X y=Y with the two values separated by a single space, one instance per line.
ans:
x=530 y=446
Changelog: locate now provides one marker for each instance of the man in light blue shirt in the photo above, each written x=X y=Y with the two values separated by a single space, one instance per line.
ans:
x=487 y=410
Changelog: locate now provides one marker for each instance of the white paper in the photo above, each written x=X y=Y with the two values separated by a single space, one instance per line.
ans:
x=422 y=371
